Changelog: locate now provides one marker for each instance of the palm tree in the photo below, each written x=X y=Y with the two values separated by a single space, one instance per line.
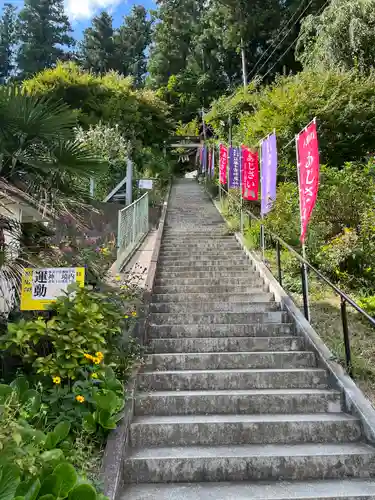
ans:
x=40 y=160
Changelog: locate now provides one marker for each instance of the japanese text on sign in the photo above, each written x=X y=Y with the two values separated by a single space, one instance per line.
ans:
x=40 y=287
x=234 y=168
x=308 y=173
x=223 y=162
x=250 y=174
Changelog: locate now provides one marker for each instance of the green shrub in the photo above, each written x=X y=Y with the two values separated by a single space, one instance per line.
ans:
x=141 y=116
x=341 y=101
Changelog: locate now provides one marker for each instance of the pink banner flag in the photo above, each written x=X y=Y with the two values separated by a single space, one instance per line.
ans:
x=308 y=173
x=250 y=174
x=209 y=162
x=223 y=164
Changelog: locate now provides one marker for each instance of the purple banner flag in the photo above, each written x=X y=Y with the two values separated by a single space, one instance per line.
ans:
x=213 y=163
x=269 y=173
x=234 y=168
x=204 y=159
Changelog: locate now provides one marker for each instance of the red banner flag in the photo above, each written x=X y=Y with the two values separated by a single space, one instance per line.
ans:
x=308 y=173
x=250 y=174
x=223 y=164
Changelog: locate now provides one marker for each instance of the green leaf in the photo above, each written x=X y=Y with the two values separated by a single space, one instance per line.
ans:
x=52 y=455
x=109 y=373
x=100 y=496
x=51 y=441
x=32 y=399
x=49 y=486
x=61 y=431
x=47 y=497
x=107 y=401
x=106 y=420
x=89 y=423
x=9 y=481
x=20 y=385
x=83 y=492
x=29 y=489
x=66 y=479
x=5 y=392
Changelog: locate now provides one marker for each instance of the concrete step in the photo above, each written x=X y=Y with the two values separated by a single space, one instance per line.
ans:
x=211 y=281
x=180 y=243
x=213 y=306
x=219 y=331
x=210 y=272
x=347 y=489
x=198 y=298
x=229 y=360
x=198 y=380
x=197 y=237
x=226 y=345
x=217 y=317
x=221 y=430
x=250 y=462
x=243 y=402
x=226 y=290
x=174 y=258
x=213 y=266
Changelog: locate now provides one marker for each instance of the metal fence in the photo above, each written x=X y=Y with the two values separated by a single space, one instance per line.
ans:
x=271 y=249
x=133 y=225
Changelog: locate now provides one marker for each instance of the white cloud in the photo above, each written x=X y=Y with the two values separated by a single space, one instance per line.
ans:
x=85 y=9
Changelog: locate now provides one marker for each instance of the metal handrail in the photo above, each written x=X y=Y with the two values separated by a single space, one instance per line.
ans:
x=344 y=298
x=133 y=224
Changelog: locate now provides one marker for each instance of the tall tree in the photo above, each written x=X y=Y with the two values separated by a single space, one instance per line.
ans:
x=132 y=40
x=8 y=38
x=342 y=36
x=44 y=30
x=97 y=51
x=177 y=21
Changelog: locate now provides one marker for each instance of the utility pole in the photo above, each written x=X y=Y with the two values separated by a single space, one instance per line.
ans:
x=204 y=125
x=244 y=64
x=129 y=182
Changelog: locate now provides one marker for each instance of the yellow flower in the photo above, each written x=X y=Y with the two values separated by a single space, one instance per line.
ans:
x=40 y=318
x=123 y=287
x=97 y=361
x=94 y=375
x=56 y=380
x=80 y=399
x=118 y=278
x=99 y=355
x=134 y=314
x=126 y=316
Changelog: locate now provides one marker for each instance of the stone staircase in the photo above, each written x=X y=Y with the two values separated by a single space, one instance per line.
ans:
x=230 y=404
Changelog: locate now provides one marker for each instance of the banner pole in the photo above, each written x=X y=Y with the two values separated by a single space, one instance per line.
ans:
x=241 y=192
x=220 y=194
x=304 y=270
x=262 y=238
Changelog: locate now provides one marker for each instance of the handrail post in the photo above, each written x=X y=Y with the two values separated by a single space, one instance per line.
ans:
x=262 y=241
x=305 y=291
x=278 y=259
x=345 y=329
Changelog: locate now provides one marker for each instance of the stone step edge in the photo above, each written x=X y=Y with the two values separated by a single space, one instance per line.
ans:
x=324 y=489
x=232 y=371
x=218 y=418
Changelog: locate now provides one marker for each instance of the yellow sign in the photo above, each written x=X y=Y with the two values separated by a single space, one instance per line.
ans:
x=41 y=287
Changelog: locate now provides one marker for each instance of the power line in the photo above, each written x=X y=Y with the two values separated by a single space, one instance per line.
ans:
x=285 y=26
x=291 y=45
x=288 y=32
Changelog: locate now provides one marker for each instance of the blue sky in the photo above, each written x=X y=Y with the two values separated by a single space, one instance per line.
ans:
x=81 y=11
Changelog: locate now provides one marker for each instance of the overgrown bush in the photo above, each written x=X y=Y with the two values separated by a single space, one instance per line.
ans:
x=343 y=103
x=141 y=116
